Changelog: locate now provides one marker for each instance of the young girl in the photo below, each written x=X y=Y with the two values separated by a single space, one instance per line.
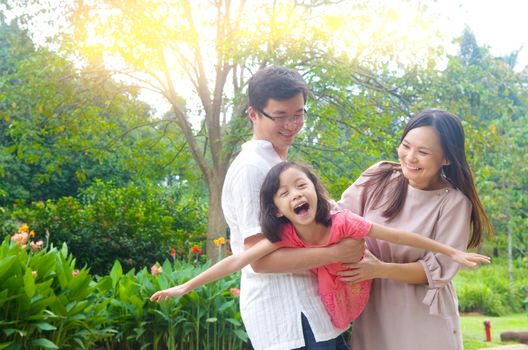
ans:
x=296 y=213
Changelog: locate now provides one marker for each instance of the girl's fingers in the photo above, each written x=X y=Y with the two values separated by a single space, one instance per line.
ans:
x=158 y=296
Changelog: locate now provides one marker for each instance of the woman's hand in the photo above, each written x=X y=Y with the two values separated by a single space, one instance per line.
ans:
x=366 y=269
x=470 y=259
x=165 y=294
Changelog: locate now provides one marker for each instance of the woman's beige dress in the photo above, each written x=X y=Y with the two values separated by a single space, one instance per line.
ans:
x=401 y=316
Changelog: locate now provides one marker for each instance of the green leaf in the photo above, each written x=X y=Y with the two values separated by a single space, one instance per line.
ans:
x=241 y=334
x=45 y=343
x=11 y=331
x=226 y=305
x=29 y=283
x=15 y=346
x=6 y=264
x=44 y=326
x=116 y=273
x=3 y=295
x=234 y=322
x=5 y=345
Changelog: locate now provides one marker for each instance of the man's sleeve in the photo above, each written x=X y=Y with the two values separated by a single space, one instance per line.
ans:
x=246 y=197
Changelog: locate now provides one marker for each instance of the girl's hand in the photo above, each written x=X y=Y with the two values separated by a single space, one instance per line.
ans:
x=165 y=294
x=470 y=259
x=366 y=269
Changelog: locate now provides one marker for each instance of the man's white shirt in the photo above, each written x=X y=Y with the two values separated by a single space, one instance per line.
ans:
x=270 y=304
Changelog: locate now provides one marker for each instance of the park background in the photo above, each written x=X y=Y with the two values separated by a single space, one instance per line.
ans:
x=118 y=120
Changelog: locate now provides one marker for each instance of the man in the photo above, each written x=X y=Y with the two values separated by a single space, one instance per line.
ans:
x=280 y=310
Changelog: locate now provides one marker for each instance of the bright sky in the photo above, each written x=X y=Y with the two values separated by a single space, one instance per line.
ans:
x=499 y=24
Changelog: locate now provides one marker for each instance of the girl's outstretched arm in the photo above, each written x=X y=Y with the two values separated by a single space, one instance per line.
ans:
x=221 y=269
x=415 y=240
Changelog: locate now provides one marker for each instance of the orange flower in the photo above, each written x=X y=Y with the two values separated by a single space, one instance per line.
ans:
x=36 y=246
x=23 y=228
x=196 y=249
x=20 y=238
x=156 y=270
x=235 y=292
x=173 y=253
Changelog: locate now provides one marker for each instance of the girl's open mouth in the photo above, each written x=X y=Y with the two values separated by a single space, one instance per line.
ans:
x=301 y=209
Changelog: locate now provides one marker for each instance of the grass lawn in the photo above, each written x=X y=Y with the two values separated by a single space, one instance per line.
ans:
x=475 y=336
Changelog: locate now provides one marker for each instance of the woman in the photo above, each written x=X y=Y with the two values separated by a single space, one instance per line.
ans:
x=413 y=304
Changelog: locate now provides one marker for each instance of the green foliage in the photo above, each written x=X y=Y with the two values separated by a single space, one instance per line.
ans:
x=488 y=290
x=207 y=318
x=492 y=101
x=61 y=128
x=351 y=124
x=135 y=224
x=45 y=302
x=7 y=222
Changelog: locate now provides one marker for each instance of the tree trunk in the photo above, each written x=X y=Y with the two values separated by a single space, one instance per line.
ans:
x=510 y=255
x=216 y=225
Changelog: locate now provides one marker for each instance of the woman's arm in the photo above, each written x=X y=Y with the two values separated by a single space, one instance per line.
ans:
x=221 y=269
x=415 y=240
x=371 y=267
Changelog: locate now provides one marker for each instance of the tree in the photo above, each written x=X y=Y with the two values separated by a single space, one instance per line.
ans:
x=213 y=47
x=199 y=55
x=492 y=100
x=60 y=128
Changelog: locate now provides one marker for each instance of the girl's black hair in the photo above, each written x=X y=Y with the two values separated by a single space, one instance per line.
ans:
x=457 y=172
x=270 y=223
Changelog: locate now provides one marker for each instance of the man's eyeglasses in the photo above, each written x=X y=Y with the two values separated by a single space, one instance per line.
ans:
x=283 y=120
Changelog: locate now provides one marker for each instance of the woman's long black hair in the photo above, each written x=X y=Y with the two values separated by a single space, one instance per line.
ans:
x=458 y=173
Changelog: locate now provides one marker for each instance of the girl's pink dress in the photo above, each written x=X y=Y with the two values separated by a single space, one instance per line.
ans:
x=343 y=301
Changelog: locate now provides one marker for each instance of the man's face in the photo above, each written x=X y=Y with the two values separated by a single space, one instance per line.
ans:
x=288 y=120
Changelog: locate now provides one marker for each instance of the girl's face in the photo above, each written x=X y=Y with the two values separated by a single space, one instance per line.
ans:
x=422 y=157
x=296 y=198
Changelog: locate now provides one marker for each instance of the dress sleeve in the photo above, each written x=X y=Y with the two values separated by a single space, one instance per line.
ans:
x=452 y=228
x=353 y=198
x=248 y=182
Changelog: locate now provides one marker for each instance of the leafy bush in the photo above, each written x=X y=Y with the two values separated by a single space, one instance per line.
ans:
x=136 y=225
x=45 y=302
x=207 y=318
x=488 y=289
x=7 y=222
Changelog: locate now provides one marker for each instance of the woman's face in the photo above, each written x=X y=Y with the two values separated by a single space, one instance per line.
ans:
x=422 y=157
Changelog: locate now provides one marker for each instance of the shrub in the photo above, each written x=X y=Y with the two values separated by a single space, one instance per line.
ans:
x=488 y=289
x=7 y=223
x=207 y=318
x=136 y=225
x=45 y=302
